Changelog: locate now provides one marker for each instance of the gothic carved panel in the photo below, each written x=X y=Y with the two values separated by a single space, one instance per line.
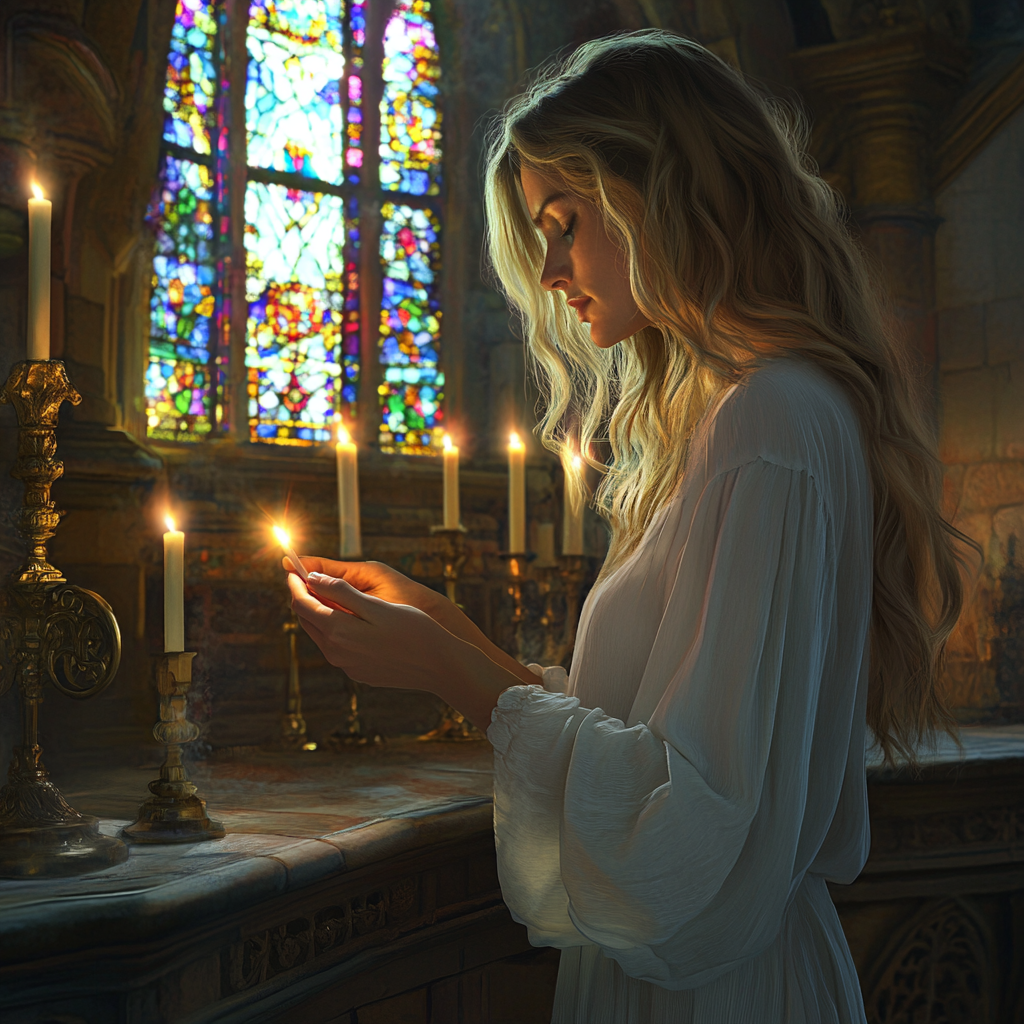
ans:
x=267 y=952
x=984 y=827
x=938 y=970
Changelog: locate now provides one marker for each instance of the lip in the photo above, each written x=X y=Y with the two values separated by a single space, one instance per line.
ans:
x=579 y=303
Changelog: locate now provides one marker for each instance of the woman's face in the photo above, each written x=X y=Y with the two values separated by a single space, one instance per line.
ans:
x=582 y=260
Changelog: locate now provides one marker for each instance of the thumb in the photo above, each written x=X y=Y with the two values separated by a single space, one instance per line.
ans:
x=340 y=594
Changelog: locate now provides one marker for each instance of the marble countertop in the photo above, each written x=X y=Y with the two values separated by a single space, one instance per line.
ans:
x=292 y=819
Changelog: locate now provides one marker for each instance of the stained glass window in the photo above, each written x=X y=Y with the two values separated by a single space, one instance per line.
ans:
x=292 y=96
x=410 y=327
x=410 y=123
x=307 y=158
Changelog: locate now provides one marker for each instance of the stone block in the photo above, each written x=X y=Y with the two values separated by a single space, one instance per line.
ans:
x=964 y=261
x=952 y=489
x=1004 y=331
x=968 y=427
x=1008 y=537
x=961 y=337
x=992 y=485
x=1007 y=248
x=1009 y=411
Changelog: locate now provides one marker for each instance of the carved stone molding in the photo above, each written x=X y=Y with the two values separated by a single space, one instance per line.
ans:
x=270 y=951
x=960 y=832
x=938 y=969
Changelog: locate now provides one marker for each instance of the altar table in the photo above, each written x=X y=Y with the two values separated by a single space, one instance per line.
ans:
x=360 y=887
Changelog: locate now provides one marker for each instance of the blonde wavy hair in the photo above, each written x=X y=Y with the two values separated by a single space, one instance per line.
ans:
x=737 y=251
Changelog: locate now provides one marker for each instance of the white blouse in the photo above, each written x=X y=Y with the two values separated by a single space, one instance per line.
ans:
x=670 y=820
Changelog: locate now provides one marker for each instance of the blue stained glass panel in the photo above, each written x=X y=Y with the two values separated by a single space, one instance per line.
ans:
x=410 y=399
x=410 y=117
x=191 y=83
x=295 y=287
x=184 y=304
x=293 y=90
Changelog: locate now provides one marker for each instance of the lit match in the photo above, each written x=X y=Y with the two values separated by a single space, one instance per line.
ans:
x=285 y=540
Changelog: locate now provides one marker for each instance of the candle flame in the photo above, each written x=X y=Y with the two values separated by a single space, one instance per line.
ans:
x=170 y=524
x=514 y=441
x=283 y=537
x=37 y=191
x=448 y=442
x=344 y=437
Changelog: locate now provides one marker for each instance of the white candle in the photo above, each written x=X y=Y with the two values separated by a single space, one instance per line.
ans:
x=572 y=515
x=450 y=455
x=174 y=588
x=516 y=496
x=545 y=546
x=350 y=539
x=285 y=540
x=39 y=213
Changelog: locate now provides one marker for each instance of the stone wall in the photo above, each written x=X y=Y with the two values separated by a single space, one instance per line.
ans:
x=980 y=324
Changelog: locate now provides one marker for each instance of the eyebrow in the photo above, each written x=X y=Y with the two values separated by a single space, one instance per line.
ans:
x=554 y=197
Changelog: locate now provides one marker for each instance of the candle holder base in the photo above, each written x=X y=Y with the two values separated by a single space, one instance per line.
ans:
x=353 y=734
x=41 y=836
x=174 y=813
x=453 y=728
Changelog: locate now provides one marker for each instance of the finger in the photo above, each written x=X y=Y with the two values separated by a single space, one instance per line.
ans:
x=307 y=603
x=346 y=596
x=286 y=563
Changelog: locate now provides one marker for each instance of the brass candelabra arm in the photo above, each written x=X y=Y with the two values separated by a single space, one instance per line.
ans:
x=50 y=631
x=573 y=570
x=454 y=556
x=453 y=727
x=174 y=813
x=37 y=388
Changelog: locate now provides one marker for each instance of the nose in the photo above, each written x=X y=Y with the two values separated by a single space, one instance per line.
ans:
x=557 y=272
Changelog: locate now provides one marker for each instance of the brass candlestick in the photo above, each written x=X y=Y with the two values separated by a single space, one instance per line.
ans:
x=553 y=618
x=453 y=727
x=49 y=630
x=516 y=574
x=293 y=725
x=572 y=569
x=174 y=813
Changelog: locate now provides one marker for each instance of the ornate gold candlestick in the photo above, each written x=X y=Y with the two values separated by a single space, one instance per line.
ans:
x=49 y=630
x=293 y=725
x=553 y=618
x=453 y=726
x=174 y=813
x=572 y=569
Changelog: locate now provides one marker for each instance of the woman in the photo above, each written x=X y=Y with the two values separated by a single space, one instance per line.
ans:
x=779 y=574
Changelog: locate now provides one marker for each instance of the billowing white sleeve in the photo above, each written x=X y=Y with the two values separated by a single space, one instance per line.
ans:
x=672 y=844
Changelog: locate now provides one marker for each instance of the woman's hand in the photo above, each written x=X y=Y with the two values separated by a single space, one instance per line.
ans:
x=379 y=642
x=397 y=645
x=374 y=579
x=379 y=580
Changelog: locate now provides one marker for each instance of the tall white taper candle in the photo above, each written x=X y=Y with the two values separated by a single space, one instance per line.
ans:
x=450 y=494
x=516 y=495
x=174 y=588
x=350 y=539
x=40 y=211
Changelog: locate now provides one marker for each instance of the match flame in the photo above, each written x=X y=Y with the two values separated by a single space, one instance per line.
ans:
x=448 y=442
x=37 y=191
x=170 y=524
x=514 y=441
x=344 y=437
x=283 y=537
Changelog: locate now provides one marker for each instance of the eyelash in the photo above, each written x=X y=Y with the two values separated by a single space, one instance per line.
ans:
x=571 y=229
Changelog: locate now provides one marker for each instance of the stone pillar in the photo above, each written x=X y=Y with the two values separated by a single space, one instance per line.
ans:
x=875 y=102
